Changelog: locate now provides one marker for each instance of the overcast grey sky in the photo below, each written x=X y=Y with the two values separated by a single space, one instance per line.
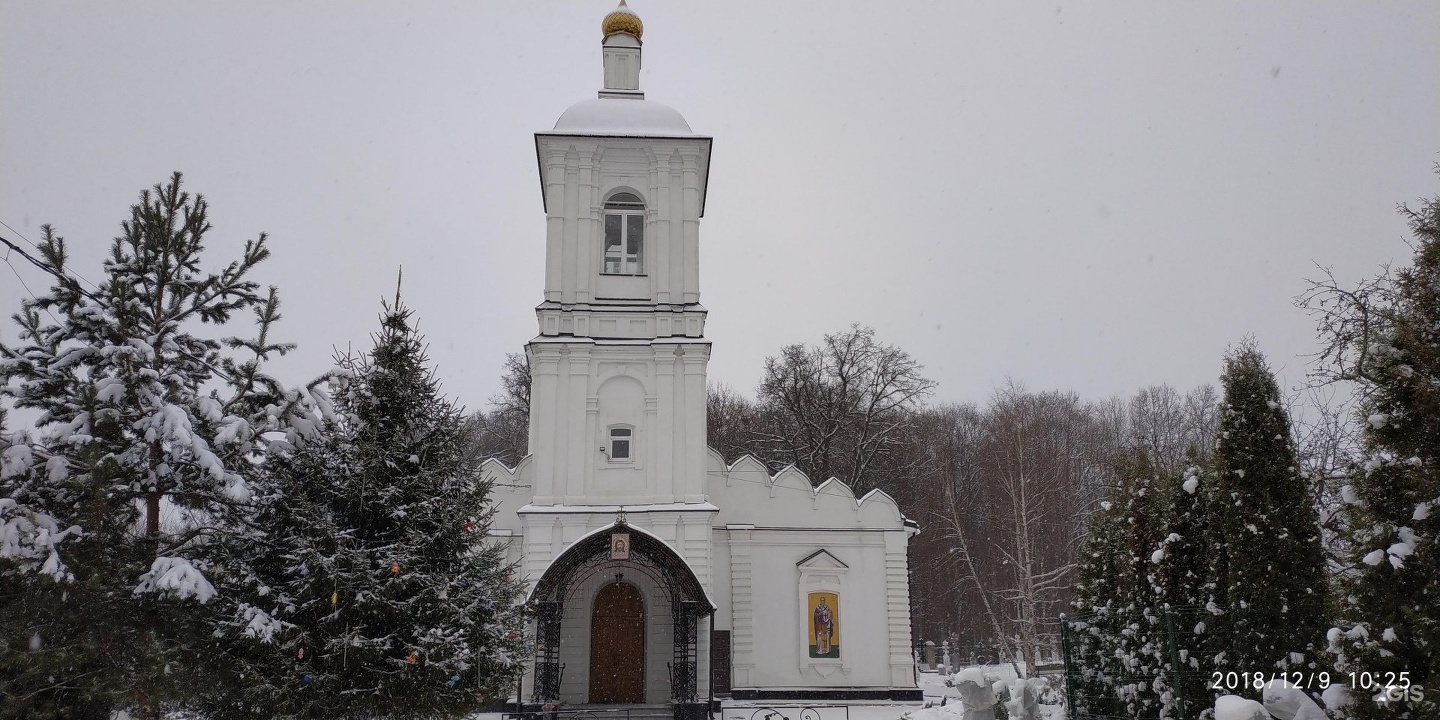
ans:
x=1091 y=196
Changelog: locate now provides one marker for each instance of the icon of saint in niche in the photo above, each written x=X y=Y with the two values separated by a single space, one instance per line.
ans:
x=824 y=625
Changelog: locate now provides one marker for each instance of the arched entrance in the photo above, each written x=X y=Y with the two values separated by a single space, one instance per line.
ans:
x=659 y=604
x=617 y=645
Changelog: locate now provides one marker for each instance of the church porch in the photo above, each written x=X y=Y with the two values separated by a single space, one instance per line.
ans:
x=620 y=621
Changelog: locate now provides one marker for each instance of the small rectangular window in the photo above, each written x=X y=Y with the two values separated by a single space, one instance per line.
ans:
x=620 y=443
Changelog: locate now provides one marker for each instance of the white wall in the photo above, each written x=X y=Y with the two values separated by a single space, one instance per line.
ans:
x=765 y=528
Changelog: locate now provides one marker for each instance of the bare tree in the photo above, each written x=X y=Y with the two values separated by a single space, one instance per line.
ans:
x=1202 y=419
x=1009 y=487
x=961 y=522
x=1168 y=426
x=730 y=420
x=1033 y=458
x=1157 y=424
x=841 y=409
x=503 y=431
x=1328 y=447
x=1349 y=320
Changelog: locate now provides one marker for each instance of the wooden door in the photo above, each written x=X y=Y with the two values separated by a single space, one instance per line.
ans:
x=617 y=645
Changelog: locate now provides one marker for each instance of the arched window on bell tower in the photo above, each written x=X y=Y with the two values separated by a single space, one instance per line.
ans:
x=624 y=235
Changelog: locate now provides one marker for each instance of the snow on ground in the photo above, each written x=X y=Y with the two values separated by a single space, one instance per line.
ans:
x=932 y=685
x=942 y=700
x=818 y=710
x=1234 y=707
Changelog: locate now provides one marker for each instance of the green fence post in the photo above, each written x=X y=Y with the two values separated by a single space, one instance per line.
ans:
x=1174 y=662
x=1066 y=651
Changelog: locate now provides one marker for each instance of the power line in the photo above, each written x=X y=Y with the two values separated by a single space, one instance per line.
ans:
x=27 y=287
x=12 y=247
x=47 y=269
x=32 y=242
x=17 y=232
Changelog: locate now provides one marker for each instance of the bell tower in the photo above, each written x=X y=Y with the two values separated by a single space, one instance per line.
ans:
x=617 y=412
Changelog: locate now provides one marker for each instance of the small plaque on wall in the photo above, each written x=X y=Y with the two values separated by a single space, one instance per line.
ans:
x=620 y=546
x=824 y=625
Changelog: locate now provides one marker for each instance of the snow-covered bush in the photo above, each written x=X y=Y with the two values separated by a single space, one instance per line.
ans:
x=1383 y=338
x=140 y=418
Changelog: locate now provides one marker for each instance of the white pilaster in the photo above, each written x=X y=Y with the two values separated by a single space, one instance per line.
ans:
x=675 y=200
x=589 y=228
x=568 y=260
x=580 y=449
x=742 y=634
x=660 y=228
x=555 y=220
x=897 y=608
x=690 y=483
x=691 y=242
x=666 y=439
x=545 y=376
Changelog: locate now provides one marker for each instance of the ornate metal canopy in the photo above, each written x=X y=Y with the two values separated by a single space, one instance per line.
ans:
x=591 y=555
x=647 y=554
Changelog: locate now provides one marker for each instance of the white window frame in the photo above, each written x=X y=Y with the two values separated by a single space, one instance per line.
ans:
x=611 y=438
x=632 y=218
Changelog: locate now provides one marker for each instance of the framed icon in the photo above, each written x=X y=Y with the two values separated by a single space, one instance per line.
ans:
x=824 y=631
x=620 y=546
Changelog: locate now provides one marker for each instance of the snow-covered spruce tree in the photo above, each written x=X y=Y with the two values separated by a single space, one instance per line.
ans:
x=396 y=604
x=139 y=460
x=1389 y=598
x=1269 y=570
x=1095 y=620
x=1140 y=645
x=1177 y=577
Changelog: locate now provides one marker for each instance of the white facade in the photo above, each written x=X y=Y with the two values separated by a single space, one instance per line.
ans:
x=617 y=430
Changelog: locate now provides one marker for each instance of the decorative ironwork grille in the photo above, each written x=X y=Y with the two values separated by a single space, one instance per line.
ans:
x=547 y=650
x=683 y=681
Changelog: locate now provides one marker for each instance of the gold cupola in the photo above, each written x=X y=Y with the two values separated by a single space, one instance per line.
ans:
x=622 y=20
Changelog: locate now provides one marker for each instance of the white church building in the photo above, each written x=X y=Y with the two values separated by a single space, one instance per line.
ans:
x=658 y=574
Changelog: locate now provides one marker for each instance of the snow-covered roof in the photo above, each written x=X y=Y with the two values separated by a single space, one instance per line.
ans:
x=622 y=116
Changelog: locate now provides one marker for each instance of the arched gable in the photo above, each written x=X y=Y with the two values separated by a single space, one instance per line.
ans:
x=747 y=493
x=879 y=508
x=834 y=496
x=644 y=545
x=747 y=469
x=791 y=479
x=714 y=462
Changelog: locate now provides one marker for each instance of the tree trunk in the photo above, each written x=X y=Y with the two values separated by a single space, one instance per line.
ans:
x=152 y=514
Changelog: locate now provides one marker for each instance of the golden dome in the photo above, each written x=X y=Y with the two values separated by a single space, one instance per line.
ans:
x=622 y=20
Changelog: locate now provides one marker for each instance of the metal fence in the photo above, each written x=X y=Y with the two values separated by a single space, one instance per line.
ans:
x=1178 y=641
x=787 y=712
